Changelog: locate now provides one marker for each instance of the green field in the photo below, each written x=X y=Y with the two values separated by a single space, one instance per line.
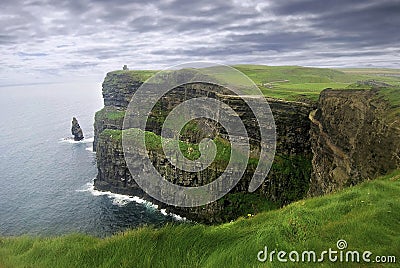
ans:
x=294 y=83
x=140 y=75
x=367 y=216
x=297 y=83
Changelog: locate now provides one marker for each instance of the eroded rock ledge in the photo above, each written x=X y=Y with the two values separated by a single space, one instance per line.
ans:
x=352 y=138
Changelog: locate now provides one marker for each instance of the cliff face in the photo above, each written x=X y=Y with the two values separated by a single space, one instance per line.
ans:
x=287 y=181
x=347 y=139
x=352 y=139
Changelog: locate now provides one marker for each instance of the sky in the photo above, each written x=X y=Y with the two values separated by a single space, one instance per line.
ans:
x=47 y=41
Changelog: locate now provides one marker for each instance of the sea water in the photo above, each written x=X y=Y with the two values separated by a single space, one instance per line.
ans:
x=46 y=178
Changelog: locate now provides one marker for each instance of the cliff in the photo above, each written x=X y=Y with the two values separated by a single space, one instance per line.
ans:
x=354 y=137
x=287 y=181
x=347 y=137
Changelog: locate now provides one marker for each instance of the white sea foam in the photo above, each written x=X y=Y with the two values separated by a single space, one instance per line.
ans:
x=117 y=199
x=71 y=140
x=178 y=217
x=175 y=216
x=164 y=211
x=90 y=149
x=122 y=200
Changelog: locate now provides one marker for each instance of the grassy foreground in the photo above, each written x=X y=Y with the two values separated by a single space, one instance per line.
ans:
x=367 y=216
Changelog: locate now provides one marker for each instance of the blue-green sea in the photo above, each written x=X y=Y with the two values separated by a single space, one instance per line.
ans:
x=46 y=179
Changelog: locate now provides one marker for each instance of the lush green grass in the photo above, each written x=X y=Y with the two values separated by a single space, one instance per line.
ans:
x=110 y=113
x=189 y=150
x=244 y=204
x=367 y=216
x=296 y=83
x=294 y=173
x=389 y=76
x=299 y=91
x=392 y=95
x=294 y=74
x=140 y=75
x=372 y=71
x=305 y=83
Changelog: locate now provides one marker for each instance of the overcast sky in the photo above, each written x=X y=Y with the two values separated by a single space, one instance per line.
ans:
x=49 y=40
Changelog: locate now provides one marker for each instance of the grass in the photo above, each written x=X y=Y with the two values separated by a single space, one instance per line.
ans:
x=189 y=150
x=243 y=204
x=390 y=76
x=114 y=134
x=294 y=83
x=110 y=113
x=294 y=174
x=367 y=216
x=392 y=95
x=140 y=75
x=294 y=74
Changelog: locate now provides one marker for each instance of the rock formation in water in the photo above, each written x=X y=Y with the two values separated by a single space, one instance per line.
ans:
x=76 y=130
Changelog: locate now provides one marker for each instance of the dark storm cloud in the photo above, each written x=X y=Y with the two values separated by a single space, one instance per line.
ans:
x=23 y=54
x=315 y=6
x=365 y=23
x=274 y=41
x=103 y=34
x=205 y=8
x=7 y=39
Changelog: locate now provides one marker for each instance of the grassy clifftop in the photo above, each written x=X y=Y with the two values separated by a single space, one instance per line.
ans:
x=139 y=75
x=367 y=216
x=296 y=83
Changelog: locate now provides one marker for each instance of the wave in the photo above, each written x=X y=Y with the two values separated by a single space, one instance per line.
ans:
x=90 y=149
x=117 y=199
x=175 y=216
x=71 y=140
x=122 y=200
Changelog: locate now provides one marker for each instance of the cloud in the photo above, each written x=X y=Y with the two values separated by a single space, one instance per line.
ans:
x=356 y=24
x=39 y=54
x=99 y=35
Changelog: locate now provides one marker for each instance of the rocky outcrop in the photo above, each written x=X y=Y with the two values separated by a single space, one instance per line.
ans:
x=352 y=138
x=76 y=130
x=289 y=177
x=110 y=117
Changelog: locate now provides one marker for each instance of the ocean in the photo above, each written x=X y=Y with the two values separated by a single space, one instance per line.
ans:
x=46 y=179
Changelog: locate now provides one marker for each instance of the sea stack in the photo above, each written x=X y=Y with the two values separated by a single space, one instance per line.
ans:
x=76 y=130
